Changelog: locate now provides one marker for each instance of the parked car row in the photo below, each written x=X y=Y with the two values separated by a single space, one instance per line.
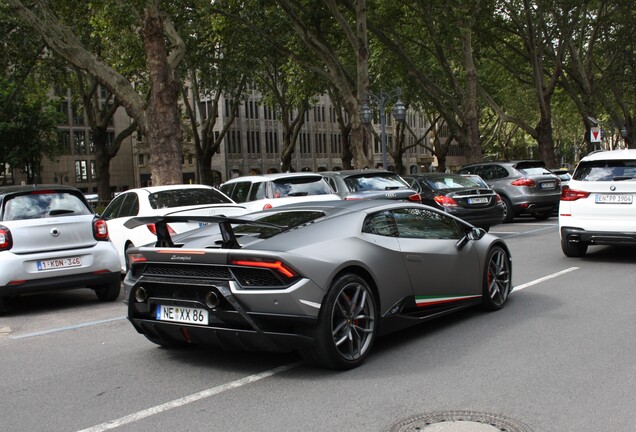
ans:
x=318 y=263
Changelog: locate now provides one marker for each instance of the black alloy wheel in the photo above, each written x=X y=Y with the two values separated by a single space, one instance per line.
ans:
x=347 y=325
x=497 y=279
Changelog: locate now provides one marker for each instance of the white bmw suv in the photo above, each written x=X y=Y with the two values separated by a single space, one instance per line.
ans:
x=597 y=207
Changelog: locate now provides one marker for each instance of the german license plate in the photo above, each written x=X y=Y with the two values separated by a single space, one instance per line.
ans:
x=59 y=263
x=614 y=198
x=480 y=200
x=182 y=314
x=548 y=185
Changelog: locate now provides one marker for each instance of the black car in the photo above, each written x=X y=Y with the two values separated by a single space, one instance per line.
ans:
x=370 y=184
x=460 y=196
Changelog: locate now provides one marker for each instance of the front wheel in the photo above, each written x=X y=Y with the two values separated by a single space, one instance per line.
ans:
x=497 y=279
x=347 y=325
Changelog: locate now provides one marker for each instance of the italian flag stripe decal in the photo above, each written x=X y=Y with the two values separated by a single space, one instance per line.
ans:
x=422 y=301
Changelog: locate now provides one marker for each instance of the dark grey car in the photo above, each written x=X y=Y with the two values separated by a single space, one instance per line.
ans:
x=525 y=187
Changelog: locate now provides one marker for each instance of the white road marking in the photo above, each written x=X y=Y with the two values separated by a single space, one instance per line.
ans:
x=176 y=403
x=543 y=279
x=61 y=329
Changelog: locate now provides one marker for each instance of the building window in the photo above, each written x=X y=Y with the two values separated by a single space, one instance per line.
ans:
x=91 y=143
x=93 y=170
x=305 y=145
x=271 y=142
x=81 y=171
x=64 y=141
x=253 y=142
x=140 y=159
x=78 y=115
x=79 y=141
x=233 y=139
x=63 y=108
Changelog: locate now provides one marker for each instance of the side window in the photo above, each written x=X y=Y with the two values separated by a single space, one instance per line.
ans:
x=425 y=224
x=130 y=207
x=112 y=210
x=380 y=224
x=258 y=191
x=240 y=192
x=484 y=172
x=331 y=183
x=499 y=172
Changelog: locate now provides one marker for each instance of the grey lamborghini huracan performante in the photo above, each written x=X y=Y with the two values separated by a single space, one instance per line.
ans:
x=323 y=278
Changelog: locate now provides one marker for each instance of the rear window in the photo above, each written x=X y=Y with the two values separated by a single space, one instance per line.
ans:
x=534 y=171
x=605 y=170
x=186 y=197
x=300 y=186
x=285 y=220
x=451 y=182
x=42 y=205
x=360 y=183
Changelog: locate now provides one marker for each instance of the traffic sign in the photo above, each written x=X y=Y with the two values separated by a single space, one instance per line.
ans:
x=595 y=134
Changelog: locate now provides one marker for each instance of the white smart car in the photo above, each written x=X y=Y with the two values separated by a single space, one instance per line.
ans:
x=50 y=239
x=598 y=207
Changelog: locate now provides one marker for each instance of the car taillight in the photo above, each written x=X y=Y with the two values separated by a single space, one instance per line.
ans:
x=568 y=194
x=272 y=264
x=497 y=198
x=153 y=229
x=100 y=229
x=267 y=206
x=415 y=198
x=524 y=182
x=6 y=241
x=445 y=201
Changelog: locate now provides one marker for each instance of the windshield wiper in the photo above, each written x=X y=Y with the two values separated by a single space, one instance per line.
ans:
x=298 y=194
x=621 y=178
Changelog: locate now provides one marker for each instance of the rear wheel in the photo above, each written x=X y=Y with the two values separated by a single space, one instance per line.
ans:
x=497 y=281
x=109 y=291
x=573 y=250
x=347 y=325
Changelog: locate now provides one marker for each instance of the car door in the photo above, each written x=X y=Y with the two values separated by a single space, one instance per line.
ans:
x=443 y=275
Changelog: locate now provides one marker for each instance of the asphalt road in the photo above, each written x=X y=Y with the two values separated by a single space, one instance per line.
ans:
x=558 y=357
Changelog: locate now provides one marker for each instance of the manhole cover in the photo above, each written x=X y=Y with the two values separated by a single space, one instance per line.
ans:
x=459 y=421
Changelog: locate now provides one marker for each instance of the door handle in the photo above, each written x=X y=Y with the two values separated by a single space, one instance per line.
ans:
x=415 y=258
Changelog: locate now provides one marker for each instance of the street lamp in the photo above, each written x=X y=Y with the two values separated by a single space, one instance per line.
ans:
x=399 y=113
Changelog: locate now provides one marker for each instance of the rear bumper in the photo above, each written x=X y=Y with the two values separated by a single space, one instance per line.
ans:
x=578 y=235
x=87 y=280
x=536 y=204
x=253 y=339
x=479 y=218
